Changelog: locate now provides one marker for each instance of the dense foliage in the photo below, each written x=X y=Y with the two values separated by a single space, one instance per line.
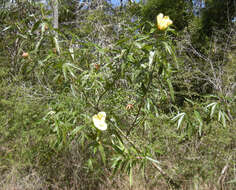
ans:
x=165 y=99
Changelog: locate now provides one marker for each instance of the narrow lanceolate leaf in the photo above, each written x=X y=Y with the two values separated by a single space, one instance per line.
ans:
x=199 y=119
x=131 y=176
x=219 y=115
x=190 y=101
x=167 y=47
x=172 y=93
x=57 y=44
x=153 y=160
x=38 y=44
x=177 y=116
x=71 y=72
x=151 y=58
x=180 y=117
x=43 y=27
x=139 y=45
x=180 y=121
x=6 y=28
x=116 y=164
x=36 y=26
x=73 y=90
x=68 y=67
x=232 y=181
x=64 y=71
x=71 y=50
x=223 y=120
x=90 y=164
x=213 y=107
x=102 y=152
x=76 y=130
x=75 y=67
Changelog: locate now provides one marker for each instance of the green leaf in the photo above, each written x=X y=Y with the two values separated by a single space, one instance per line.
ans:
x=167 y=47
x=180 y=117
x=64 y=69
x=35 y=26
x=118 y=149
x=180 y=121
x=232 y=181
x=121 y=41
x=223 y=119
x=23 y=36
x=139 y=45
x=152 y=160
x=71 y=50
x=5 y=29
x=152 y=30
x=56 y=44
x=72 y=87
x=77 y=129
x=213 y=106
x=199 y=119
x=38 y=44
x=171 y=90
x=90 y=164
x=219 y=115
x=151 y=58
x=116 y=165
x=75 y=67
x=190 y=101
x=102 y=152
x=131 y=176
x=142 y=38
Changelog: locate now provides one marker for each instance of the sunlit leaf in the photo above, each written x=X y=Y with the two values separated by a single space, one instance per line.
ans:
x=131 y=176
x=167 y=47
x=90 y=164
x=199 y=119
x=151 y=58
x=6 y=28
x=57 y=45
x=213 y=106
x=71 y=50
x=223 y=119
x=153 y=160
x=180 y=117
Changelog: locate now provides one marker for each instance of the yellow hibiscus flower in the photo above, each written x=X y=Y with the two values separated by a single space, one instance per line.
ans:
x=163 y=21
x=99 y=121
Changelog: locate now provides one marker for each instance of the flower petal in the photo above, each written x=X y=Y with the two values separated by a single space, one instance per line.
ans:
x=102 y=114
x=159 y=18
x=163 y=21
x=100 y=124
x=99 y=121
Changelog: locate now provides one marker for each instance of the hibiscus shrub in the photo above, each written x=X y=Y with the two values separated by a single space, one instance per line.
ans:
x=111 y=107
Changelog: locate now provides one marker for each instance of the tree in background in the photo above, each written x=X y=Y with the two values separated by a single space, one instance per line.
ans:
x=210 y=16
x=217 y=14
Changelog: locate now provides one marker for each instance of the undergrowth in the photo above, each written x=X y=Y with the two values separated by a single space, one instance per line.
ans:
x=170 y=109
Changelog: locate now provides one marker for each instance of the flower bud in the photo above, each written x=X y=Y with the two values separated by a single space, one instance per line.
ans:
x=25 y=54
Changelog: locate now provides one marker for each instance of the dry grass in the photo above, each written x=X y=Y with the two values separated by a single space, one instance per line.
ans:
x=14 y=181
x=33 y=181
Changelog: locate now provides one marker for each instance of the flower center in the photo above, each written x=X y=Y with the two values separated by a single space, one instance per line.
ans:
x=99 y=116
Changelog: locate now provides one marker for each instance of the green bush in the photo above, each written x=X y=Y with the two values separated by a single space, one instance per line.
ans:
x=160 y=122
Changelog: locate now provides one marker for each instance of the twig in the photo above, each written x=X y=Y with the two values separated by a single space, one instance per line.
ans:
x=141 y=104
